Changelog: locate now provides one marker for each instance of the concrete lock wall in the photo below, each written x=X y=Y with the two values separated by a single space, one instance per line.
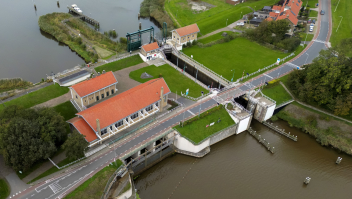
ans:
x=269 y=112
x=184 y=144
x=222 y=135
x=149 y=147
x=243 y=125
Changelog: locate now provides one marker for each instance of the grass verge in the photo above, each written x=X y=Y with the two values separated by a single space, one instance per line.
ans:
x=345 y=29
x=215 y=37
x=120 y=64
x=239 y=54
x=94 y=186
x=276 y=92
x=313 y=13
x=311 y=3
x=176 y=81
x=38 y=97
x=4 y=189
x=66 y=109
x=197 y=130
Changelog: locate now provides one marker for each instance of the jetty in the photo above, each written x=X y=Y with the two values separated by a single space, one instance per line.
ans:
x=84 y=17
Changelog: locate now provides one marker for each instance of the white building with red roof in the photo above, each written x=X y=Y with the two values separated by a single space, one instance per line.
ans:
x=121 y=111
x=92 y=90
x=149 y=51
x=185 y=34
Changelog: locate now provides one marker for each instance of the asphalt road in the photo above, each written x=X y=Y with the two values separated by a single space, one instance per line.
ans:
x=60 y=186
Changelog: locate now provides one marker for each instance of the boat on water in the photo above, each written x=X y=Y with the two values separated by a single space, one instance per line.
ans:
x=76 y=8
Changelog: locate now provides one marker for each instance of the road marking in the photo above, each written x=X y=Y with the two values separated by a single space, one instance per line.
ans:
x=292 y=65
x=268 y=76
x=55 y=187
x=319 y=41
x=190 y=112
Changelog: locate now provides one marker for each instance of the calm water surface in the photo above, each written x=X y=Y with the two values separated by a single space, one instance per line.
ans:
x=240 y=167
x=27 y=52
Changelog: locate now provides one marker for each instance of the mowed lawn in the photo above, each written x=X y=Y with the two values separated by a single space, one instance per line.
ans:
x=176 y=81
x=38 y=97
x=120 y=64
x=197 y=130
x=239 y=54
x=277 y=92
x=4 y=189
x=215 y=37
x=94 y=186
x=344 y=9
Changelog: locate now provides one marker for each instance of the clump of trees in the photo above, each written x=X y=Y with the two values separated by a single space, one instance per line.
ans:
x=273 y=32
x=75 y=145
x=328 y=80
x=29 y=135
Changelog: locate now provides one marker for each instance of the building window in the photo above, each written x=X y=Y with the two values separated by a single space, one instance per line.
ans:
x=76 y=97
x=112 y=91
x=102 y=96
x=107 y=94
x=188 y=37
x=110 y=127
x=134 y=116
x=97 y=98
x=126 y=119
x=104 y=131
x=149 y=108
x=157 y=104
x=119 y=123
x=174 y=37
x=85 y=100
x=192 y=35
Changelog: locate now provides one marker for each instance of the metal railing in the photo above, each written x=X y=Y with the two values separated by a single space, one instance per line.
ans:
x=284 y=103
x=129 y=55
x=261 y=140
x=69 y=164
x=281 y=131
x=63 y=72
x=195 y=99
x=112 y=178
x=265 y=68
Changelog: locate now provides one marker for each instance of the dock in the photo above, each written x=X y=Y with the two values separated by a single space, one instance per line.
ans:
x=261 y=140
x=84 y=17
x=281 y=131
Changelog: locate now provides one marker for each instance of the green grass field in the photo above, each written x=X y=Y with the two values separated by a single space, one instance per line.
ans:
x=38 y=97
x=276 y=92
x=197 y=130
x=4 y=189
x=304 y=35
x=66 y=109
x=239 y=54
x=216 y=17
x=174 y=79
x=344 y=9
x=215 y=37
x=311 y=3
x=120 y=64
x=313 y=13
x=94 y=186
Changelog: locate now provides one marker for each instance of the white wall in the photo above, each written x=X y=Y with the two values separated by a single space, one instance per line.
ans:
x=234 y=118
x=144 y=58
x=242 y=126
x=76 y=80
x=269 y=112
x=184 y=144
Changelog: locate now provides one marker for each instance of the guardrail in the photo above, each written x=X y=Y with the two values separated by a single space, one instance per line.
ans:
x=261 y=140
x=63 y=72
x=195 y=99
x=265 y=68
x=69 y=164
x=129 y=55
x=284 y=103
x=111 y=179
x=281 y=131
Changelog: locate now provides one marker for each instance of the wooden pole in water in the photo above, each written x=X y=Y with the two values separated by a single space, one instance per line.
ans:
x=35 y=7
x=139 y=15
x=140 y=25
x=58 y=3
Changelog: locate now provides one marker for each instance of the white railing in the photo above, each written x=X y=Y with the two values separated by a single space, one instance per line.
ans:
x=129 y=55
x=195 y=99
x=63 y=72
x=265 y=68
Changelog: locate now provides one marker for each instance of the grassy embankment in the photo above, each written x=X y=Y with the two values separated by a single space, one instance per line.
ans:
x=214 y=18
x=345 y=30
x=94 y=186
x=276 y=92
x=215 y=37
x=120 y=64
x=52 y=24
x=16 y=83
x=239 y=54
x=38 y=97
x=155 y=10
x=4 y=189
x=176 y=81
x=197 y=130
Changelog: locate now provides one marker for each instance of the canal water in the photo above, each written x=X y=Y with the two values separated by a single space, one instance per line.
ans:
x=28 y=53
x=240 y=167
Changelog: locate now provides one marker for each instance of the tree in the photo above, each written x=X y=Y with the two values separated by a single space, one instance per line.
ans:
x=328 y=80
x=29 y=135
x=75 y=146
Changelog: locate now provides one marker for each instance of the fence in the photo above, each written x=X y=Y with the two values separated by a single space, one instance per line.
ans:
x=69 y=164
x=195 y=99
x=129 y=55
x=284 y=103
x=261 y=140
x=265 y=68
x=118 y=172
x=281 y=131
x=63 y=72
x=129 y=133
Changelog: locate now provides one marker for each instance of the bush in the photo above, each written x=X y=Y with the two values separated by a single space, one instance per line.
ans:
x=79 y=40
x=123 y=40
x=289 y=44
x=274 y=118
x=160 y=75
x=83 y=45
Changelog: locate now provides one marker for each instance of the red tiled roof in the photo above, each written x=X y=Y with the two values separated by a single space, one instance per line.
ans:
x=150 y=47
x=83 y=128
x=124 y=104
x=276 y=8
x=269 y=19
x=288 y=15
x=292 y=13
x=273 y=14
x=295 y=6
x=187 y=30
x=89 y=86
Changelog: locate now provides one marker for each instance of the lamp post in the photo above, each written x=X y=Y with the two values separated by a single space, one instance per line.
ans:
x=339 y=23
x=226 y=21
x=233 y=75
x=306 y=59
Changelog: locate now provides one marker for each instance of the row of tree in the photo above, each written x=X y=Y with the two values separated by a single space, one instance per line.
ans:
x=273 y=32
x=31 y=135
x=328 y=80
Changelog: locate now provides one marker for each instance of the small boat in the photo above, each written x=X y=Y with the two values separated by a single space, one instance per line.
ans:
x=76 y=8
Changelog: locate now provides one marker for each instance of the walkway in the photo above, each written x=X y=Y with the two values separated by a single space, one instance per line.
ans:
x=227 y=28
x=312 y=107
x=54 y=102
x=124 y=81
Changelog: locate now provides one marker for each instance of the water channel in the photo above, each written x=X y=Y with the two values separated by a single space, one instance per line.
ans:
x=240 y=167
x=28 y=53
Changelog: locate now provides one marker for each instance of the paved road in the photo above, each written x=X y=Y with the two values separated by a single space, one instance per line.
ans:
x=58 y=187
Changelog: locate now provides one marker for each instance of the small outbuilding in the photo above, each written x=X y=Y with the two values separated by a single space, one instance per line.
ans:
x=149 y=51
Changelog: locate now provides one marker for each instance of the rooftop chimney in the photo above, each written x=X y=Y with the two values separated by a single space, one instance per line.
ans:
x=98 y=127
x=162 y=99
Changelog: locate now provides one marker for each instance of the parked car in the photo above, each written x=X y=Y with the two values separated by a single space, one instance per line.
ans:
x=313 y=21
x=311 y=28
x=309 y=21
x=322 y=12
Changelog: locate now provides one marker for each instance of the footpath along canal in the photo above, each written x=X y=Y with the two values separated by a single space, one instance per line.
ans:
x=240 y=167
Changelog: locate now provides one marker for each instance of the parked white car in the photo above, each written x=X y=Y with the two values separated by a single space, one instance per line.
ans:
x=311 y=28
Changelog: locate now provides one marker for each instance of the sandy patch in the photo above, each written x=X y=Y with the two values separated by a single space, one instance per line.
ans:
x=200 y=6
